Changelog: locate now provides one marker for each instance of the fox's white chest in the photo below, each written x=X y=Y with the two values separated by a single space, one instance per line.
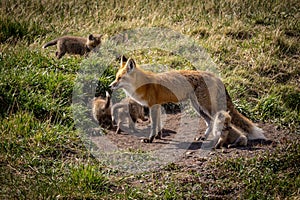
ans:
x=136 y=97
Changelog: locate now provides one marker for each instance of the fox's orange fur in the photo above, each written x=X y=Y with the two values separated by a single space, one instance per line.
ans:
x=206 y=92
x=101 y=110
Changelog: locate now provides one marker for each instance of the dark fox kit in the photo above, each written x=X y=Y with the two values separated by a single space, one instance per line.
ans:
x=75 y=45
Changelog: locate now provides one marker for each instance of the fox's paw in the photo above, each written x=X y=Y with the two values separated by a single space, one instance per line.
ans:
x=147 y=140
x=202 y=138
x=118 y=131
x=159 y=135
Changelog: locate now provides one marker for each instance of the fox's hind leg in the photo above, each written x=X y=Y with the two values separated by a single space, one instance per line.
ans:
x=202 y=113
x=241 y=141
x=118 y=128
x=59 y=54
x=61 y=50
x=131 y=122
x=155 y=120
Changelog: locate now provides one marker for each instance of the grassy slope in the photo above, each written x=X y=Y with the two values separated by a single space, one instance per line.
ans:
x=255 y=44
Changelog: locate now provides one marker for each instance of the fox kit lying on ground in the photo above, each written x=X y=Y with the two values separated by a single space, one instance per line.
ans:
x=206 y=92
x=119 y=112
x=75 y=45
x=227 y=133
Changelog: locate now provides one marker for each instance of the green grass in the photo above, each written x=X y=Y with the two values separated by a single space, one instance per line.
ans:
x=255 y=45
x=270 y=175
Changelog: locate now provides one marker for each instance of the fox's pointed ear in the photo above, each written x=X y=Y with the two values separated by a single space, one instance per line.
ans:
x=123 y=59
x=130 y=66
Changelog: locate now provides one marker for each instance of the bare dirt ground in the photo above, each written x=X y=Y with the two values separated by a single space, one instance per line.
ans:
x=179 y=149
x=180 y=131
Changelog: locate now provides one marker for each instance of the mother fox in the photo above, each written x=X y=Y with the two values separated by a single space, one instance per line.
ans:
x=206 y=92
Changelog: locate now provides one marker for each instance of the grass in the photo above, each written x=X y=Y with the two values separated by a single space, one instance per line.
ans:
x=254 y=175
x=255 y=45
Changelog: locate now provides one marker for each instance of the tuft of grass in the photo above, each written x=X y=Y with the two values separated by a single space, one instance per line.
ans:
x=270 y=175
x=286 y=46
x=31 y=81
x=37 y=161
x=13 y=31
x=105 y=80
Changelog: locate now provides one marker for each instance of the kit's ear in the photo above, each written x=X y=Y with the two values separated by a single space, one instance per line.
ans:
x=91 y=37
x=107 y=100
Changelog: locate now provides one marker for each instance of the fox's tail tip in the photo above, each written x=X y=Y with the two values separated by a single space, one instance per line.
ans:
x=51 y=43
x=257 y=133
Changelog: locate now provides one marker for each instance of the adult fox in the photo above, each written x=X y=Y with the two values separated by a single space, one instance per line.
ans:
x=206 y=92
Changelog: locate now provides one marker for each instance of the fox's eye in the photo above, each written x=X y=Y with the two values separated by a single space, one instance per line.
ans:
x=119 y=78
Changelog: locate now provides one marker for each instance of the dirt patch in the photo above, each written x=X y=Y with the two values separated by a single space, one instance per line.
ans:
x=189 y=162
x=180 y=131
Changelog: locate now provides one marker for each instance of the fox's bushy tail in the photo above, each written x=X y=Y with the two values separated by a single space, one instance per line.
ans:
x=242 y=122
x=51 y=43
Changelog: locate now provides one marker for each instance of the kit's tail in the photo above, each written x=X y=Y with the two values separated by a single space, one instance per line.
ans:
x=51 y=43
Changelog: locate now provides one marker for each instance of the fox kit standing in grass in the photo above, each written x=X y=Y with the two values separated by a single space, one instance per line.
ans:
x=75 y=45
x=206 y=92
x=226 y=133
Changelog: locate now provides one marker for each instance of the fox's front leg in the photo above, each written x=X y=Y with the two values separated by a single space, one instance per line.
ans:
x=131 y=123
x=155 y=120
x=219 y=144
x=159 y=129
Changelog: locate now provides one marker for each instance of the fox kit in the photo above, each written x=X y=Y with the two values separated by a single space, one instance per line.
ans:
x=226 y=132
x=75 y=45
x=101 y=110
x=126 y=109
x=120 y=111
x=206 y=92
